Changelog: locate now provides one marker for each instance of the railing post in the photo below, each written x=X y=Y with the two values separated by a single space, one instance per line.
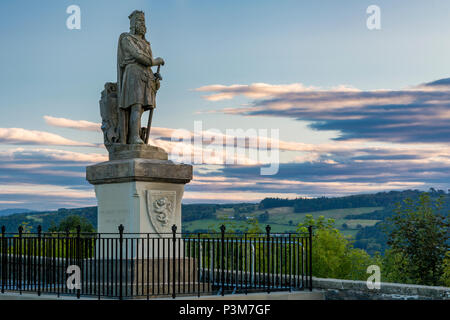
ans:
x=4 y=255
x=68 y=255
x=245 y=264
x=222 y=229
x=290 y=263
x=78 y=253
x=268 y=257
x=20 y=256
x=39 y=231
x=174 y=242
x=199 y=269
x=310 y=258
x=59 y=251
x=121 y=228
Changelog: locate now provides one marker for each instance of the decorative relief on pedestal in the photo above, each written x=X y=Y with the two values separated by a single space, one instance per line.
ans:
x=161 y=206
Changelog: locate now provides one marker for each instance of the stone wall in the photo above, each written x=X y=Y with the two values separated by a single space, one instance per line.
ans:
x=336 y=289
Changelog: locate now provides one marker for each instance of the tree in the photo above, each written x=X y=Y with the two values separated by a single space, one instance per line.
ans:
x=264 y=217
x=333 y=256
x=446 y=274
x=418 y=238
x=70 y=223
x=250 y=226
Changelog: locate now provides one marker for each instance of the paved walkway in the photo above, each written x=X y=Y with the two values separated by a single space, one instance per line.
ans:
x=299 y=295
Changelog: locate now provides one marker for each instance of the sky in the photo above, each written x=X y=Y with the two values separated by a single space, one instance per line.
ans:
x=347 y=110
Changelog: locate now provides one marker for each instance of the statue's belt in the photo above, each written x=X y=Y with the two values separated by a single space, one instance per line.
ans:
x=145 y=74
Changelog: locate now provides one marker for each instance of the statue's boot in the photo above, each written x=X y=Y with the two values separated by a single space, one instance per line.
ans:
x=136 y=140
x=135 y=125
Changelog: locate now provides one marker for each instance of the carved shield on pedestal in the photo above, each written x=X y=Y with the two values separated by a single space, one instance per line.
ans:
x=161 y=206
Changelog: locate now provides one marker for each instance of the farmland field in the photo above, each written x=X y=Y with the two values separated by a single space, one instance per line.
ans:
x=284 y=219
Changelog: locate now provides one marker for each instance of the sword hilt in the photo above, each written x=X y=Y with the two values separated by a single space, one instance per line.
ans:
x=157 y=74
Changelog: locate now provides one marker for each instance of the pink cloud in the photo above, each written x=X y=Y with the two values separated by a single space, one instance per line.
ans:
x=255 y=90
x=50 y=154
x=25 y=136
x=73 y=124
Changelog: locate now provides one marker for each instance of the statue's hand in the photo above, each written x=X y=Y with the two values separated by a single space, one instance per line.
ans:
x=158 y=61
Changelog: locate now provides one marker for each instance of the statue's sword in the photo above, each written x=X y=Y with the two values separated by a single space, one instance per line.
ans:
x=150 y=116
x=149 y=124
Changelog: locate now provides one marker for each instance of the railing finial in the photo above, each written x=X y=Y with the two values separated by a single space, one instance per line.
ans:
x=268 y=230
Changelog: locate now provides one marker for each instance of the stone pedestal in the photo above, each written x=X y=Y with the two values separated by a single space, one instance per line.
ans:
x=140 y=189
x=154 y=277
x=133 y=151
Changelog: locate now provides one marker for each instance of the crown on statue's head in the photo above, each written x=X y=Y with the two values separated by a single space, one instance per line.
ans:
x=135 y=14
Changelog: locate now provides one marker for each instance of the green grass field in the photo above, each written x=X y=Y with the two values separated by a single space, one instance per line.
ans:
x=284 y=219
x=35 y=218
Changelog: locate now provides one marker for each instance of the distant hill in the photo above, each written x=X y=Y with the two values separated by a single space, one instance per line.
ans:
x=380 y=199
x=46 y=218
x=7 y=212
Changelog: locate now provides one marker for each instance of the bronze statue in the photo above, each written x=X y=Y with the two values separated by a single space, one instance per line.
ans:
x=122 y=105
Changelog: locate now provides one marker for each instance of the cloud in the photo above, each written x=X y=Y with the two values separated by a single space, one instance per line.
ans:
x=10 y=202
x=181 y=141
x=82 y=125
x=44 y=197
x=255 y=90
x=46 y=166
x=37 y=156
x=177 y=141
x=21 y=136
x=43 y=190
x=220 y=197
x=313 y=179
x=354 y=169
x=46 y=178
x=411 y=115
x=169 y=138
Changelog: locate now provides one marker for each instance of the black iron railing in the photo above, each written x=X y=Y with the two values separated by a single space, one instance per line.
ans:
x=125 y=265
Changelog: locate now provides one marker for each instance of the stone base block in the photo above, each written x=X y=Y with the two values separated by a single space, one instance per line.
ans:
x=142 y=277
x=141 y=270
x=148 y=170
x=144 y=195
x=133 y=151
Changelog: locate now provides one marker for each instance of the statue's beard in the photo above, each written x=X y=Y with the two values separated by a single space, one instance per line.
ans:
x=141 y=30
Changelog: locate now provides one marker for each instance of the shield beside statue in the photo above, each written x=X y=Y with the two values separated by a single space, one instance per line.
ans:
x=110 y=116
x=161 y=206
